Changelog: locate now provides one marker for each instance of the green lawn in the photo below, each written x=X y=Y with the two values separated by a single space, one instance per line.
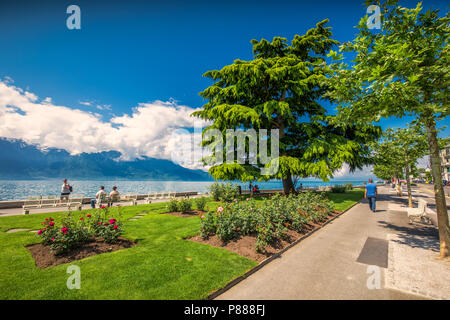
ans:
x=157 y=268
x=343 y=201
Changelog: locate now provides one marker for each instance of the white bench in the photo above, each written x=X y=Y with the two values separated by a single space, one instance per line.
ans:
x=160 y=196
x=419 y=213
x=106 y=200
x=52 y=202
x=130 y=198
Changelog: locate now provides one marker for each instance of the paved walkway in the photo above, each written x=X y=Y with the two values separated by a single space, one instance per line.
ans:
x=336 y=262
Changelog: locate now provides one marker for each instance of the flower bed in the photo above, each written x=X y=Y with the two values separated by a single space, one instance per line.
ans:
x=183 y=208
x=270 y=221
x=74 y=232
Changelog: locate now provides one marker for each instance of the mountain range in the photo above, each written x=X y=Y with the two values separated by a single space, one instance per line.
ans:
x=19 y=160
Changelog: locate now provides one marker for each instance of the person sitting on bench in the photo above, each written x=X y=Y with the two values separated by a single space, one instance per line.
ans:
x=101 y=193
x=114 y=196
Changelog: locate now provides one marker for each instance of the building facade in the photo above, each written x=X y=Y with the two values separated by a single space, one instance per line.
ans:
x=445 y=163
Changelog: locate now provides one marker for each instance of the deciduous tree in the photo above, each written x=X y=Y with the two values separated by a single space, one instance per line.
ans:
x=401 y=70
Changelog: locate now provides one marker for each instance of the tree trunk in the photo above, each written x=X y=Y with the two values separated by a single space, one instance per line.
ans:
x=408 y=182
x=288 y=185
x=441 y=206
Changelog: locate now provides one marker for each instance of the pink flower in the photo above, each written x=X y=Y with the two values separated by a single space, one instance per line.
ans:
x=102 y=207
x=115 y=227
x=203 y=217
x=112 y=221
x=53 y=239
x=247 y=199
x=51 y=224
x=219 y=209
x=39 y=232
x=64 y=230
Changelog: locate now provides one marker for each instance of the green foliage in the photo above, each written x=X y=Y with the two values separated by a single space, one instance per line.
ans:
x=200 y=203
x=403 y=70
x=172 y=206
x=223 y=192
x=73 y=232
x=215 y=190
x=269 y=219
x=279 y=89
x=185 y=205
x=348 y=186
x=338 y=189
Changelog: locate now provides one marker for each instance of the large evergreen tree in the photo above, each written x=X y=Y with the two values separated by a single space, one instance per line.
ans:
x=281 y=89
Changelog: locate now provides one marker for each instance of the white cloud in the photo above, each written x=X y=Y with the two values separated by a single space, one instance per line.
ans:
x=85 y=103
x=344 y=172
x=147 y=131
x=104 y=107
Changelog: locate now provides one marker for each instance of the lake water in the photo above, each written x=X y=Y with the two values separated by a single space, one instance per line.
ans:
x=23 y=189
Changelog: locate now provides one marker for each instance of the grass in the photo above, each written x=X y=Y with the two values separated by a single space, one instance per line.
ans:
x=157 y=268
x=343 y=201
x=162 y=266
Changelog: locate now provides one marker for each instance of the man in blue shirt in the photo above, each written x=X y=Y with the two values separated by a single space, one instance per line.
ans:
x=371 y=194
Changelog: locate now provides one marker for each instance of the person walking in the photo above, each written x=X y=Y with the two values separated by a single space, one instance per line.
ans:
x=370 y=194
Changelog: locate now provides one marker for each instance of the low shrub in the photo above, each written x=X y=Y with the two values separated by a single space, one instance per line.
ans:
x=185 y=205
x=338 y=189
x=348 y=186
x=200 y=203
x=268 y=220
x=215 y=190
x=72 y=232
x=172 y=206
x=223 y=192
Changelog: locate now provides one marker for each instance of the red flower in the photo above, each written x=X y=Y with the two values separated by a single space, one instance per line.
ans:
x=115 y=227
x=99 y=223
x=81 y=218
x=112 y=221
x=51 y=224
x=39 y=232
x=64 y=230
x=88 y=216
x=103 y=207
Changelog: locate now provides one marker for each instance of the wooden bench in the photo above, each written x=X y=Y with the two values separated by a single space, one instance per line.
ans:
x=419 y=213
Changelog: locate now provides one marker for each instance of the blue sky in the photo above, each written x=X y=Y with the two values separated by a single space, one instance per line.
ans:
x=135 y=52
